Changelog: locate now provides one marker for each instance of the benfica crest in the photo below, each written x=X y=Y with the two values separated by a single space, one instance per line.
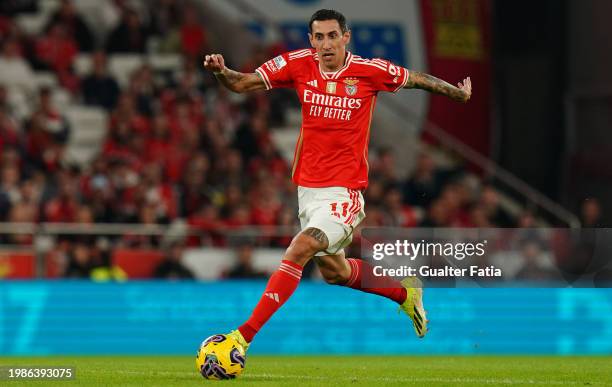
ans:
x=350 y=86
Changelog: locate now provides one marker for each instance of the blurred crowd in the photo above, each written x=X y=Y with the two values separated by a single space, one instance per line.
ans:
x=178 y=147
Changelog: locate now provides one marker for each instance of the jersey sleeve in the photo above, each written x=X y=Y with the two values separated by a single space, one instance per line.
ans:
x=276 y=72
x=387 y=76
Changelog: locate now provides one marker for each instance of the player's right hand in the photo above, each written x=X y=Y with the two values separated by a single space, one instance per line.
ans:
x=214 y=63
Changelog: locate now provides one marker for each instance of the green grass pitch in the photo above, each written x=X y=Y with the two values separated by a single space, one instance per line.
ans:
x=332 y=370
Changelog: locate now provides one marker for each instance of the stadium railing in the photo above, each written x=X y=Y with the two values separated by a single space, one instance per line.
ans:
x=27 y=249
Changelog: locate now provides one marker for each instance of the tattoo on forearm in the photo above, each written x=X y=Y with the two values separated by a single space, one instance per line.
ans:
x=430 y=83
x=317 y=234
x=229 y=78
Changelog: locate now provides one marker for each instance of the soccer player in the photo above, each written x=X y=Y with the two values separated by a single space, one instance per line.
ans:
x=337 y=90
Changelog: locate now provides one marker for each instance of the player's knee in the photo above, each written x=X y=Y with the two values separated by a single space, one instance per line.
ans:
x=302 y=248
x=335 y=277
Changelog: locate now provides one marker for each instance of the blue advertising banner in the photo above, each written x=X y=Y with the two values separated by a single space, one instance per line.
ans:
x=64 y=317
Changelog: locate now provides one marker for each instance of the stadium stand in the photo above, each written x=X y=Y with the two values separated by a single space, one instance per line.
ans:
x=148 y=138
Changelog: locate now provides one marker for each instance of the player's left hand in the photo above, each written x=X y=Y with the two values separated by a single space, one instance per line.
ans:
x=214 y=63
x=466 y=87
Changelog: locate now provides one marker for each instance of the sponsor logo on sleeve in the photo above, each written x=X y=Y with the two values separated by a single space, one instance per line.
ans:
x=274 y=65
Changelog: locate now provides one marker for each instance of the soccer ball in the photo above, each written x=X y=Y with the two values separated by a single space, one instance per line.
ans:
x=220 y=357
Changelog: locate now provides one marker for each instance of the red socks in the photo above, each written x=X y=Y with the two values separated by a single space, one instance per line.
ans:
x=280 y=287
x=383 y=286
x=285 y=280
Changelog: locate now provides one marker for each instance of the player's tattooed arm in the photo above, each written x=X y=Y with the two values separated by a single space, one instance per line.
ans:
x=318 y=235
x=233 y=80
x=418 y=80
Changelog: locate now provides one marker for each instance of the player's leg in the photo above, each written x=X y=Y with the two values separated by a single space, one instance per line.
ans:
x=283 y=281
x=337 y=270
x=340 y=210
x=357 y=274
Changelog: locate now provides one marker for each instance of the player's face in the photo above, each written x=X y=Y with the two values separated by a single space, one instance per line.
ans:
x=330 y=43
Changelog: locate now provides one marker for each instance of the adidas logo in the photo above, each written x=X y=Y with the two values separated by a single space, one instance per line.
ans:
x=312 y=83
x=272 y=296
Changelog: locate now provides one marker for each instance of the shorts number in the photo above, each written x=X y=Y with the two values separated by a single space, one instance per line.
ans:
x=334 y=209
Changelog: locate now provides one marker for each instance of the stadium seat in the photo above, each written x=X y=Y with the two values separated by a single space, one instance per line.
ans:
x=88 y=130
x=165 y=62
x=211 y=263
x=32 y=24
x=121 y=66
x=82 y=64
x=45 y=79
x=61 y=98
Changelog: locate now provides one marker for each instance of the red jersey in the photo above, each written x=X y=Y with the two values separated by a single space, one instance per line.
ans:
x=332 y=149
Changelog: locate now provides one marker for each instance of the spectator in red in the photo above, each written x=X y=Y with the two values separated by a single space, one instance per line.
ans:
x=42 y=151
x=207 y=226
x=46 y=135
x=124 y=180
x=265 y=204
x=65 y=205
x=73 y=23
x=194 y=192
x=9 y=189
x=159 y=143
x=193 y=34
x=179 y=156
x=125 y=124
x=57 y=51
x=55 y=122
x=239 y=216
x=183 y=119
x=158 y=194
x=9 y=137
x=229 y=170
x=268 y=159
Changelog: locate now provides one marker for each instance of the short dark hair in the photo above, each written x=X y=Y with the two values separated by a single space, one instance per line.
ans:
x=329 y=14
